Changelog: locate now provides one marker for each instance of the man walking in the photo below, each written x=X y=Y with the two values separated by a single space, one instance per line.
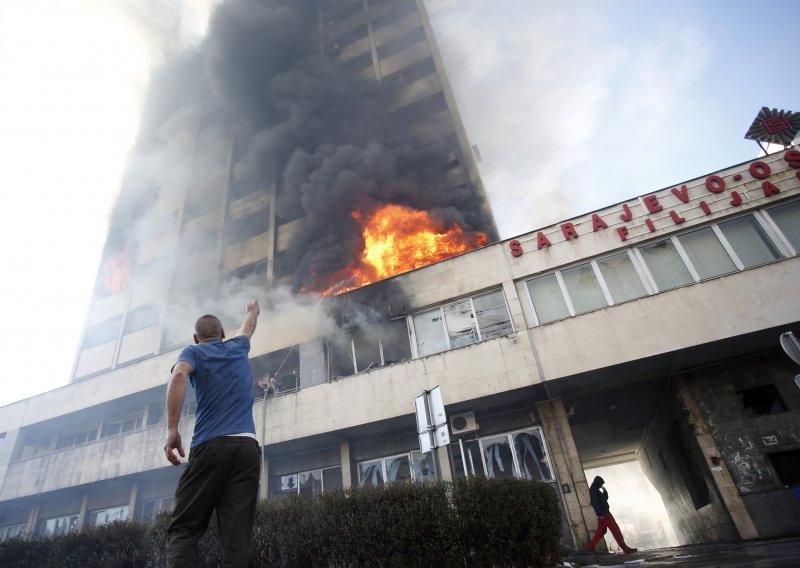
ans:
x=605 y=520
x=223 y=471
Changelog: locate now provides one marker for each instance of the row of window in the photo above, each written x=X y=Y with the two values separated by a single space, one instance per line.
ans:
x=694 y=256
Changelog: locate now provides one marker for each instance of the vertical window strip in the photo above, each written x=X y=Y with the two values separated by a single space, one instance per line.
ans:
x=774 y=234
x=785 y=219
x=685 y=257
x=602 y=282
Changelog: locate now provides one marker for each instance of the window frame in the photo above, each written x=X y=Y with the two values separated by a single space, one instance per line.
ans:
x=280 y=494
x=409 y=455
x=413 y=332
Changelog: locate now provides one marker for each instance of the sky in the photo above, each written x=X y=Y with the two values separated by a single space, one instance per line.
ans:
x=573 y=106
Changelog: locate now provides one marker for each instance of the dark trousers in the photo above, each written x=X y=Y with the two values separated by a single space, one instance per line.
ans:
x=604 y=523
x=222 y=475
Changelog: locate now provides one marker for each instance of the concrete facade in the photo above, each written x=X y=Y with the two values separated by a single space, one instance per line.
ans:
x=646 y=331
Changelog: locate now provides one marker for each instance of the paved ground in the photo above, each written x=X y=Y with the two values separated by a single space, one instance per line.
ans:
x=779 y=553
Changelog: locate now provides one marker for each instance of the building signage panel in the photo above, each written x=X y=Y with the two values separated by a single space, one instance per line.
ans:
x=709 y=196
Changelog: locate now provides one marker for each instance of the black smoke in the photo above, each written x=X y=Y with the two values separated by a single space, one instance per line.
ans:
x=322 y=134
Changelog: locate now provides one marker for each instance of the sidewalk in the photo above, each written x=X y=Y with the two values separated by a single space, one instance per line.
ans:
x=778 y=553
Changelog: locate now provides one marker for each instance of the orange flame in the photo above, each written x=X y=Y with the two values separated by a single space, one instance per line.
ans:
x=398 y=239
x=117 y=271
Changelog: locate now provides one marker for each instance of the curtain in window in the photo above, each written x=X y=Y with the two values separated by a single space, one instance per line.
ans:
x=548 y=302
x=493 y=317
x=460 y=321
x=310 y=482
x=621 y=278
x=422 y=467
x=787 y=217
x=398 y=469
x=429 y=332
x=583 y=288
x=531 y=456
x=665 y=265
x=706 y=253
x=749 y=241
x=498 y=457
x=370 y=474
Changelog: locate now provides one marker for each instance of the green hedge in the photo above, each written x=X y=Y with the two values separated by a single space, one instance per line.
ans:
x=472 y=522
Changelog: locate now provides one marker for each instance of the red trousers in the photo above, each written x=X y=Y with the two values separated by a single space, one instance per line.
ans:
x=604 y=523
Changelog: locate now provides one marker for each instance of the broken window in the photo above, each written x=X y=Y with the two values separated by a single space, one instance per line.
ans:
x=461 y=323
x=787 y=466
x=368 y=347
x=276 y=373
x=763 y=400
x=110 y=515
x=153 y=507
x=57 y=526
x=412 y=466
x=307 y=483
x=10 y=531
x=520 y=454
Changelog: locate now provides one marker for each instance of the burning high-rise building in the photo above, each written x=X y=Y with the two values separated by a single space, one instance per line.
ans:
x=313 y=145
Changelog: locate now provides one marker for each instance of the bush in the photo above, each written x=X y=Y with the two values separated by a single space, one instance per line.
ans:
x=472 y=522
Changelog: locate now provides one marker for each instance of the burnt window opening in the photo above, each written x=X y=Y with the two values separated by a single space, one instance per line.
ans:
x=420 y=110
x=306 y=483
x=336 y=15
x=763 y=400
x=247 y=227
x=399 y=9
x=254 y=273
x=359 y=62
x=286 y=263
x=786 y=466
x=347 y=38
x=408 y=75
x=276 y=373
x=400 y=43
x=361 y=349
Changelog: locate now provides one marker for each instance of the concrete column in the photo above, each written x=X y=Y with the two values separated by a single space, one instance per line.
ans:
x=347 y=476
x=132 y=501
x=726 y=487
x=569 y=474
x=33 y=518
x=84 y=508
x=443 y=462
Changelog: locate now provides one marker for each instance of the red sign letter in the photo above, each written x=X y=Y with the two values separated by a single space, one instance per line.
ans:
x=650 y=225
x=516 y=248
x=760 y=170
x=623 y=233
x=706 y=209
x=569 y=231
x=677 y=218
x=542 y=241
x=598 y=223
x=715 y=184
x=793 y=157
x=736 y=199
x=626 y=215
x=682 y=193
x=651 y=202
x=769 y=189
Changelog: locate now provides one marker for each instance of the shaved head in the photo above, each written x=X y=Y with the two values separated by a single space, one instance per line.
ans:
x=208 y=327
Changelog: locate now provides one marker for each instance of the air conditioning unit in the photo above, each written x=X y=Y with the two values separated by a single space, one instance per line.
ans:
x=463 y=423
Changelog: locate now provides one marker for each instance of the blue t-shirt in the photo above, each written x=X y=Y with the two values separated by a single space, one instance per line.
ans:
x=222 y=382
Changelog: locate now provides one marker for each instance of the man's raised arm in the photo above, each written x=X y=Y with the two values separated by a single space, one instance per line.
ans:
x=249 y=325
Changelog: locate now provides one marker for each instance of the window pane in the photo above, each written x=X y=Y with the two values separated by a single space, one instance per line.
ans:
x=547 y=298
x=370 y=473
x=394 y=341
x=749 y=241
x=787 y=217
x=310 y=482
x=461 y=327
x=288 y=484
x=430 y=332
x=398 y=469
x=621 y=278
x=332 y=479
x=531 y=457
x=368 y=355
x=422 y=466
x=583 y=288
x=706 y=253
x=666 y=265
x=492 y=313
x=497 y=454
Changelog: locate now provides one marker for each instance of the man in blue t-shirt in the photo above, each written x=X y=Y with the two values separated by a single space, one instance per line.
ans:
x=223 y=470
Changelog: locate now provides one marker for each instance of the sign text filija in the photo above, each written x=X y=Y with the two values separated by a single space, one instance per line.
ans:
x=713 y=184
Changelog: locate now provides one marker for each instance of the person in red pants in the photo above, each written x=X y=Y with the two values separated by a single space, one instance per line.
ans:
x=605 y=520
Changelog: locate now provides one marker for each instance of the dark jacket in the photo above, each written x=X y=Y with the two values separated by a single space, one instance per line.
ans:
x=599 y=496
